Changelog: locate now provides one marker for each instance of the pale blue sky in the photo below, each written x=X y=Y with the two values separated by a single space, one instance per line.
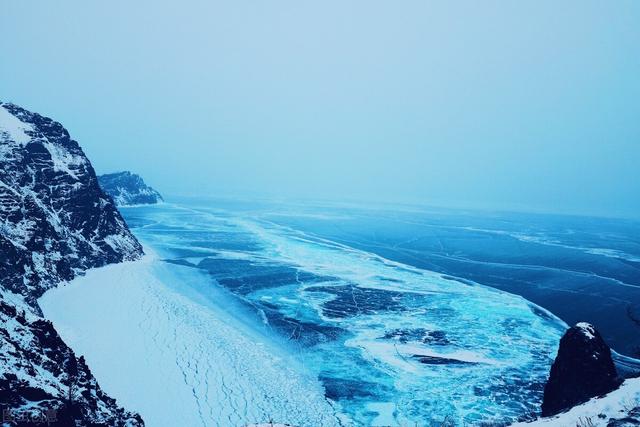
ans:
x=497 y=104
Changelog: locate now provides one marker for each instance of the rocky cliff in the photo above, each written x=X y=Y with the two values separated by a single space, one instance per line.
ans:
x=55 y=222
x=127 y=189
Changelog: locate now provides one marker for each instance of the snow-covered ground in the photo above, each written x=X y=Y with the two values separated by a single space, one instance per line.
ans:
x=177 y=358
x=598 y=411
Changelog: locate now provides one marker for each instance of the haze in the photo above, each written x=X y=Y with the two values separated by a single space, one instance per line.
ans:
x=532 y=105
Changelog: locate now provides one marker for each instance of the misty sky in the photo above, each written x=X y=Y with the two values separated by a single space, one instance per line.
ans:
x=495 y=104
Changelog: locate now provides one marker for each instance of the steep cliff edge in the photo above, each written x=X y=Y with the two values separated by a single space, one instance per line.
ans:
x=55 y=223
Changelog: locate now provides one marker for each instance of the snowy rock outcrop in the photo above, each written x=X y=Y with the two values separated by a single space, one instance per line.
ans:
x=619 y=408
x=55 y=223
x=41 y=379
x=127 y=189
x=583 y=369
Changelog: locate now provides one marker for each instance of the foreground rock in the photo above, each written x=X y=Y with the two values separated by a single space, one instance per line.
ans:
x=55 y=223
x=583 y=369
x=619 y=408
x=127 y=189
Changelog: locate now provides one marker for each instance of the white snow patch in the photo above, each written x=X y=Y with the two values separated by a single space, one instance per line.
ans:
x=587 y=329
x=38 y=263
x=63 y=161
x=121 y=243
x=14 y=128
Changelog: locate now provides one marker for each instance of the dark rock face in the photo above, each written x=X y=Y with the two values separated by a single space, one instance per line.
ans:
x=55 y=223
x=583 y=369
x=55 y=220
x=127 y=188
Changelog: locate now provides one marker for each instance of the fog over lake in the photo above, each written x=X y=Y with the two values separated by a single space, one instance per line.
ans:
x=529 y=106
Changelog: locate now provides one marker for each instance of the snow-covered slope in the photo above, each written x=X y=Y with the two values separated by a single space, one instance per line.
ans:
x=620 y=408
x=40 y=376
x=584 y=387
x=55 y=223
x=128 y=189
x=190 y=359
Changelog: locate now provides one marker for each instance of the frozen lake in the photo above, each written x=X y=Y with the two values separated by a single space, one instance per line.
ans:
x=329 y=314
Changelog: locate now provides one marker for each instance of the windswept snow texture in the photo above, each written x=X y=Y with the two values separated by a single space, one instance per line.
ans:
x=176 y=355
x=389 y=343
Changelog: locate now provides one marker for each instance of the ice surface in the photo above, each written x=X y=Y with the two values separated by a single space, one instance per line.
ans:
x=176 y=358
x=390 y=343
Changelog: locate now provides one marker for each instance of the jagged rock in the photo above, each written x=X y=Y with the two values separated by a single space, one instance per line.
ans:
x=40 y=376
x=127 y=188
x=583 y=369
x=632 y=419
x=55 y=223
